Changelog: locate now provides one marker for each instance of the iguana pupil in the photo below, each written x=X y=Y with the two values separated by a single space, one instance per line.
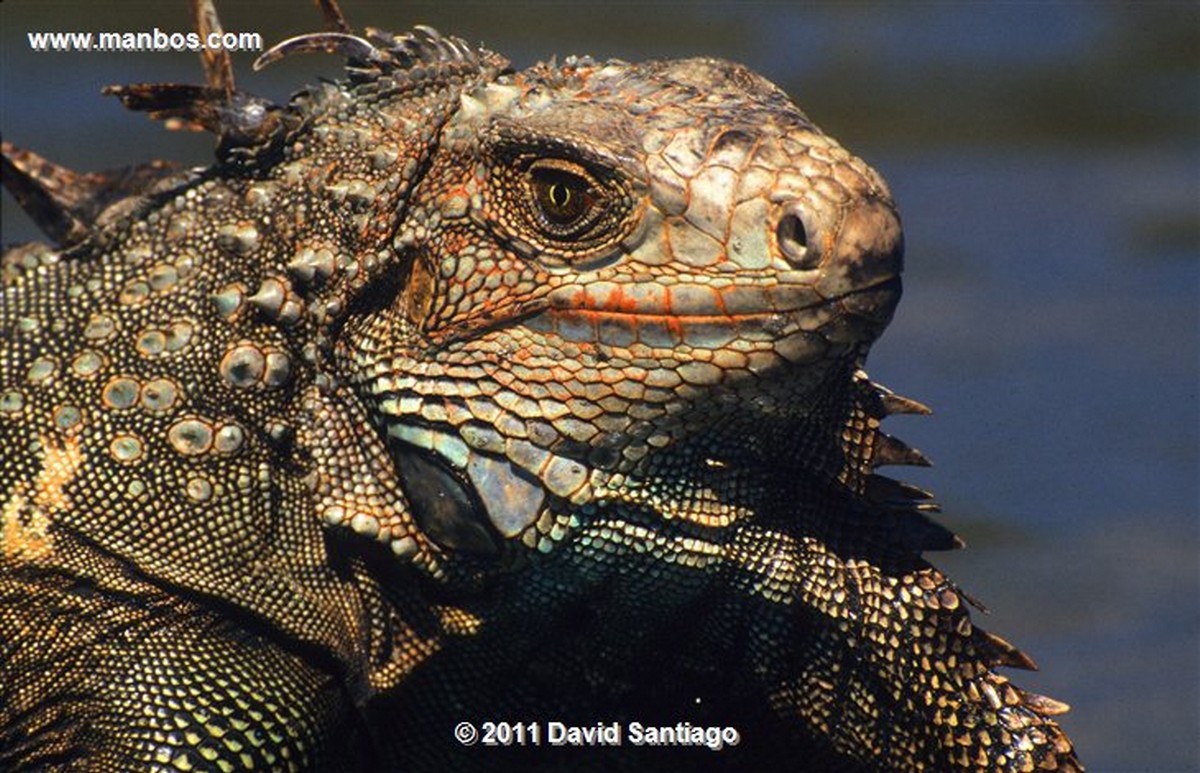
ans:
x=562 y=197
x=559 y=197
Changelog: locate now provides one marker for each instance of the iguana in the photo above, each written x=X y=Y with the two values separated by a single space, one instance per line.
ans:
x=455 y=393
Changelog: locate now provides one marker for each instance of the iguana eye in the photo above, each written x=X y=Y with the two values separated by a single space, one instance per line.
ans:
x=559 y=202
x=564 y=197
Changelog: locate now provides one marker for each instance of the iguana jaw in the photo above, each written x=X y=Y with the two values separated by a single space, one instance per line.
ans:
x=739 y=259
x=472 y=496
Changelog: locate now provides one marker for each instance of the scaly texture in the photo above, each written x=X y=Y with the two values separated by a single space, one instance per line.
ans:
x=456 y=393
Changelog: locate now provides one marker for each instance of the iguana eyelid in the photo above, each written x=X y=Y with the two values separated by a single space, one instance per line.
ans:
x=504 y=140
x=512 y=211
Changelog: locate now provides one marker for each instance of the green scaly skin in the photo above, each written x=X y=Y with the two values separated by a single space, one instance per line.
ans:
x=456 y=393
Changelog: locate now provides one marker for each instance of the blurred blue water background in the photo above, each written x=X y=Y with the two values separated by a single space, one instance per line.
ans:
x=1046 y=159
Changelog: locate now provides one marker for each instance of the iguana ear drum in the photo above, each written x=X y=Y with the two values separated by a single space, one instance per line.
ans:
x=444 y=507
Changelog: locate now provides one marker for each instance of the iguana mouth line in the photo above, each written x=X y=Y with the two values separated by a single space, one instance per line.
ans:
x=603 y=324
x=600 y=310
x=675 y=322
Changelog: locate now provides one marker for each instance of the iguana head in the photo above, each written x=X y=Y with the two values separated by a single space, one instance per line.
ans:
x=546 y=292
x=607 y=270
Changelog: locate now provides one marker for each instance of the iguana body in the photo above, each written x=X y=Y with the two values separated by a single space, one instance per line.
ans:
x=451 y=393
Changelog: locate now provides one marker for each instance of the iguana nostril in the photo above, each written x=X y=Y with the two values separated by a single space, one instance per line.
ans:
x=795 y=240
